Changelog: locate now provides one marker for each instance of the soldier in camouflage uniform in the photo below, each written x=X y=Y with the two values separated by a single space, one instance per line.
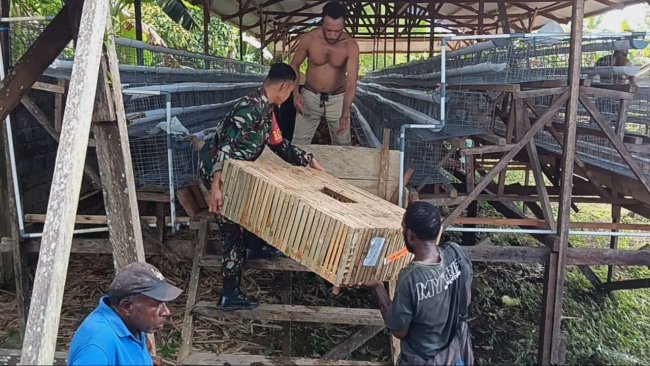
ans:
x=242 y=135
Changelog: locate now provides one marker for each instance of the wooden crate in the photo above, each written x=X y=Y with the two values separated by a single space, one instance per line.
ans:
x=320 y=221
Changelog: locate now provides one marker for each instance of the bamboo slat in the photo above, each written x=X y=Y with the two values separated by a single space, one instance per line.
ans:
x=320 y=221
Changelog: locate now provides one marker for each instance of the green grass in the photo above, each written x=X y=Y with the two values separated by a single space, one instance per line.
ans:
x=600 y=329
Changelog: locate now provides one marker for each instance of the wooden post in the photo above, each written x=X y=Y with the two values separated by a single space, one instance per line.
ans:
x=408 y=42
x=395 y=344
x=522 y=115
x=45 y=310
x=241 y=33
x=613 y=241
x=534 y=129
x=395 y=24
x=137 y=4
x=187 y=331
x=551 y=344
x=382 y=189
x=481 y=15
x=432 y=16
x=472 y=209
x=503 y=15
x=206 y=27
x=114 y=158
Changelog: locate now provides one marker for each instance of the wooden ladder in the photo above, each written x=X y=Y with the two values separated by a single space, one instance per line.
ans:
x=370 y=318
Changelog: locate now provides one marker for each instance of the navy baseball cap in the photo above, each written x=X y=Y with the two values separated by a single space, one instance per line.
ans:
x=143 y=278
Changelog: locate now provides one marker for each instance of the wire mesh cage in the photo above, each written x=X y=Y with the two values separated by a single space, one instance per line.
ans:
x=424 y=151
x=151 y=165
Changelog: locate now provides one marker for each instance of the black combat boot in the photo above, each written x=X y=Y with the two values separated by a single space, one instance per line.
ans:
x=256 y=249
x=232 y=298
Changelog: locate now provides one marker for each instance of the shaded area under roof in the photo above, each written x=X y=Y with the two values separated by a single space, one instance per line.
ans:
x=283 y=20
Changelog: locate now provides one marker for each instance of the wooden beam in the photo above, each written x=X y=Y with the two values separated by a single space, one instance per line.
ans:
x=512 y=254
x=535 y=165
x=296 y=313
x=382 y=189
x=52 y=88
x=503 y=16
x=551 y=343
x=58 y=105
x=40 y=117
x=626 y=285
x=207 y=358
x=49 y=44
x=578 y=161
x=206 y=27
x=45 y=310
x=487 y=149
x=14 y=258
x=481 y=15
x=103 y=220
x=114 y=158
x=536 y=127
x=187 y=331
x=352 y=343
x=615 y=140
x=243 y=10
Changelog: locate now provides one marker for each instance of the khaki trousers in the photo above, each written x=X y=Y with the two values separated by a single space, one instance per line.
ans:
x=307 y=123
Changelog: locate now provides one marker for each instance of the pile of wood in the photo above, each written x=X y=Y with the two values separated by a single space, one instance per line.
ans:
x=320 y=221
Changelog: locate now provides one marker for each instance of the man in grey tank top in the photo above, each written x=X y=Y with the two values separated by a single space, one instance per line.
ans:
x=429 y=309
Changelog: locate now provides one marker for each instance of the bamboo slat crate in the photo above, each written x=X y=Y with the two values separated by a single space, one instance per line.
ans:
x=325 y=224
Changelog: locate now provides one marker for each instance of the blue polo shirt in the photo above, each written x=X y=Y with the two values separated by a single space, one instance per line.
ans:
x=104 y=339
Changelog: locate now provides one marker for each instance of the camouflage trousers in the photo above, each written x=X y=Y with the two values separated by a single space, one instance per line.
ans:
x=235 y=238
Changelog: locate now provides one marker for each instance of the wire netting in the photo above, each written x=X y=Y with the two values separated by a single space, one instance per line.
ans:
x=201 y=89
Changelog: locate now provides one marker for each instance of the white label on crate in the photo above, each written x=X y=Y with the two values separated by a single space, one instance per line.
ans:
x=376 y=245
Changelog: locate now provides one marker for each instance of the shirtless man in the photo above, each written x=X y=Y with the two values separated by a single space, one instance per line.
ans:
x=331 y=83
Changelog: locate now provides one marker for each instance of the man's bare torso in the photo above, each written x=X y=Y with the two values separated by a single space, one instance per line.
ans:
x=326 y=62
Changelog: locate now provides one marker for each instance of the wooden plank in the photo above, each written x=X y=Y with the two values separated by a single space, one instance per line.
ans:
x=52 y=88
x=536 y=167
x=206 y=358
x=114 y=158
x=280 y=264
x=551 y=350
x=187 y=331
x=12 y=259
x=296 y=313
x=352 y=343
x=12 y=357
x=102 y=219
x=626 y=285
x=40 y=117
x=613 y=241
x=536 y=127
x=186 y=199
x=383 y=166
x=503 y=16
x=58 y=105
x=152 y=197
x=395 y=343
x=45 y=310
x=540 y=92
x=486 y=149
x=49 y=44
x=500 y=254
x=607 y=93
x=493 y=139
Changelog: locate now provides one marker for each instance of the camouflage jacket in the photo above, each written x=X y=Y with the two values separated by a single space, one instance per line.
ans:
x=245 y=131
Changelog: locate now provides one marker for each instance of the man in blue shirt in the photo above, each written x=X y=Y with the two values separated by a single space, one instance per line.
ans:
x=115 y=332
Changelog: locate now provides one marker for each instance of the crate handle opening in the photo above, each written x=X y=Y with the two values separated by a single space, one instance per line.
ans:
x=337 y=196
